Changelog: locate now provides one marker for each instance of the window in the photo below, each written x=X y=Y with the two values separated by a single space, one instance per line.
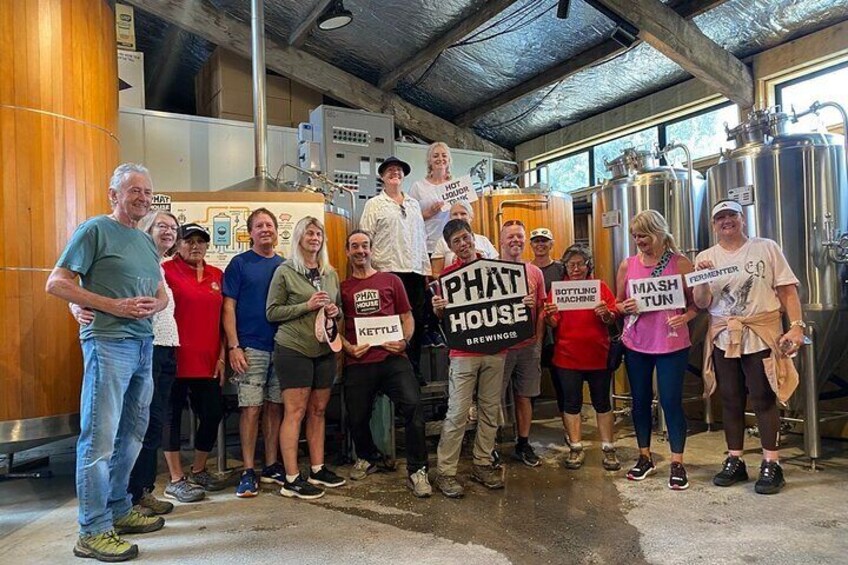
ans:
x=567 y=174
x=827 y=85
x=645 y=139
x=703 y=133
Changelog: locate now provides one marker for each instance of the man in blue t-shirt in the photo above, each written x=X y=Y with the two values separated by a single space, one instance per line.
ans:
x=119 y=280
x=251 y=342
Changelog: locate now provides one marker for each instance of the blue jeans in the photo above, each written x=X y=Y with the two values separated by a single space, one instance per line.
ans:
x=117 y=388
x=671 y=367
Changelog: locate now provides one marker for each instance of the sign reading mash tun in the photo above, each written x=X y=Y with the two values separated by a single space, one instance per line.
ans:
x=377 y=330
x=658 y=293
x=704 y=277
x=576 y=295
x=485 y=312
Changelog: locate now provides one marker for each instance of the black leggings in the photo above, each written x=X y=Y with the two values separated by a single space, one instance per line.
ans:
x=571 y=387
x=206 y=403
x=737 y=379
x=416 y=290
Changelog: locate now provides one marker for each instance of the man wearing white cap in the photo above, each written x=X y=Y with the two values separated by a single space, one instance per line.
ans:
x=747 y=352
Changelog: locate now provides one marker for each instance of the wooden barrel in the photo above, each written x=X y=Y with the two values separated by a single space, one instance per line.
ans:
x=337 y=225
x=535 y=210
x=59 y=145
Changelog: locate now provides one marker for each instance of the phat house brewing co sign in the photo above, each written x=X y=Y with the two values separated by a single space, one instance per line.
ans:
x=485 y=312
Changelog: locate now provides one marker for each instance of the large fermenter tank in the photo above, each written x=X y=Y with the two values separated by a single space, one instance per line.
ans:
x=640 y=183
x=793 y=190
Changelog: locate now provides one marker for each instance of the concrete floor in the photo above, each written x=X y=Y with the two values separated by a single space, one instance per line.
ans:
x=545 y=515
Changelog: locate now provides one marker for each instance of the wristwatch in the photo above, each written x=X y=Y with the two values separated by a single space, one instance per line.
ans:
x=799 y=324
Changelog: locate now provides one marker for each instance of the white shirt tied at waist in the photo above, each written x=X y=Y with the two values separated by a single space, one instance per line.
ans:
x=164 y=324
x=398 y=238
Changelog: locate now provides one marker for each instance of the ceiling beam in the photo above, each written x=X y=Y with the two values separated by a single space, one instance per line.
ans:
x=301 y=32
x=593 y=56
x=682 y=42
x=214 y=26
x=482 y=15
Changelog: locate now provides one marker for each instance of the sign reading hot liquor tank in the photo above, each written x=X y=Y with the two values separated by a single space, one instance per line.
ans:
x=454 y=191
x=658 y=293
x=576 y=295
x=485 y=312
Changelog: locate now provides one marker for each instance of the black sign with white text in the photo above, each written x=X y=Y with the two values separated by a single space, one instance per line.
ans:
x=485 y=312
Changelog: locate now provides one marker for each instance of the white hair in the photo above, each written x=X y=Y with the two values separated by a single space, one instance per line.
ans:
x=465 y=204
x=123 y=171
x=297 y=261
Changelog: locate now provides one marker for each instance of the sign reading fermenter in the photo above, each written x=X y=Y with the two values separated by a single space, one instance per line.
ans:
x=485 y=312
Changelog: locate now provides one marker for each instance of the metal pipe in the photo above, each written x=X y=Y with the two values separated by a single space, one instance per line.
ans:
x=500 y=213
x=812 y=439
x=260 y=124
x=692 y=251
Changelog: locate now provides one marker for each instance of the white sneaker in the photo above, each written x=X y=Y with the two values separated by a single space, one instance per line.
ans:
x=419 y=483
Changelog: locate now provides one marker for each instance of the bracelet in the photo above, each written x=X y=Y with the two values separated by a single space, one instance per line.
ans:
x=234 y=347
x=798 y=324
x=220 y=360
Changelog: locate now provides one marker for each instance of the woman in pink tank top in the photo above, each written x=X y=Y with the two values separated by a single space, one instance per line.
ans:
x=656 y=340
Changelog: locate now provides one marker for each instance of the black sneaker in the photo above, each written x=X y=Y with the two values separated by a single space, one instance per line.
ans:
x=326 y=478
x=644 y=466
x=300 y=488
x=526 y=455
x=677 y=479
x=732 y=471
x=273 y=473
x=771 y=479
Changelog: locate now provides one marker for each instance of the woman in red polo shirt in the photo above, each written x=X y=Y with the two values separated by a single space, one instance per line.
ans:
x=580 y=355
x=200 y=357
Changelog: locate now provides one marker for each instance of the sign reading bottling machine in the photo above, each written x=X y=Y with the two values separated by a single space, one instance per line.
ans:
x=704 y=277
x=658 y=293
x=378 y=330
x=576 y=295
x=485 y=312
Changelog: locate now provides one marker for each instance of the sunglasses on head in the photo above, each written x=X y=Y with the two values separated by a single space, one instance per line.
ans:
x=510 y=223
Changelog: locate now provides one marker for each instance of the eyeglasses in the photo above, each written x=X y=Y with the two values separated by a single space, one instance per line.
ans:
x=165 y=227
x=510 y=223
x=575 y=266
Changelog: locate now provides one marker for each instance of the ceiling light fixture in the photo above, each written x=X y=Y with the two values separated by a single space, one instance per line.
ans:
x=335 y=16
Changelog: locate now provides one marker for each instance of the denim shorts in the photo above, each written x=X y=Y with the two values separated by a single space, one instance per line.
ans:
x=258 y=384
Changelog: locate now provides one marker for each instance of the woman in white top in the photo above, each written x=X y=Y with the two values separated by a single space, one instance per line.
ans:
x=399 y=243
x=442 y=255
x=428 y=195
x=747 y=353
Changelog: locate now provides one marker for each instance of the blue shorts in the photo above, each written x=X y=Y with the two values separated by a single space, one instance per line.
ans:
x=258 y=384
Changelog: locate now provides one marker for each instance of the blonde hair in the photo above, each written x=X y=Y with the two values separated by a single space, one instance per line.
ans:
x=146 y=225
x=297 y=261
x=431 y=150
x=653 y=224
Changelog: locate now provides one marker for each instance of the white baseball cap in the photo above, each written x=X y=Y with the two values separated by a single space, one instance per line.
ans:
x=731 y=205
x=542 y=232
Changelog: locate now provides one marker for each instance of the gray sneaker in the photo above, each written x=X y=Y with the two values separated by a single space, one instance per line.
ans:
x=205 y=480
x=419 y=483
x=449 y=486
x=575 y=458
x=361 y=469
x=610 y=461
x=488 y=476
x=184 y=491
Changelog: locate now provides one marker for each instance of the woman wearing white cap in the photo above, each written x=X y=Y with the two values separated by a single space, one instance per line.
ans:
x=747 y=353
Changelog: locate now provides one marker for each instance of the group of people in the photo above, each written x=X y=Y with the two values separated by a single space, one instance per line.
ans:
x=159 y=326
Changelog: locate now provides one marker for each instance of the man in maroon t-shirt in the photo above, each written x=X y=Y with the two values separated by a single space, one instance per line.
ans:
x=385 y=368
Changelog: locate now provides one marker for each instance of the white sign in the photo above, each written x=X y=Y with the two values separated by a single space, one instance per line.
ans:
x=227 y=223
x=377 y=330
x=576 y=295
x=704 y=277
x=611 y=219
x=658 y=293
x=457 y=190
x=130 y=79
x=744 y=195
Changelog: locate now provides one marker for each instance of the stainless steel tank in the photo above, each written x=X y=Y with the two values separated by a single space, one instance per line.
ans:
x=640 y=183
x=793 y=190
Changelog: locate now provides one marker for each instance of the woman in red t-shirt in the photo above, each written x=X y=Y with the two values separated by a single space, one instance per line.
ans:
x=580 y=355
